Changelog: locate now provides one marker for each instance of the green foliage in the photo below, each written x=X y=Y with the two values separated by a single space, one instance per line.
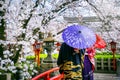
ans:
x=2 y=28
x=2 y=13
x=117 y=56
x=32 y=57
x=1 y=50
x=55 y=56
x=2 y=22
x=104 y=55
x=43 y=55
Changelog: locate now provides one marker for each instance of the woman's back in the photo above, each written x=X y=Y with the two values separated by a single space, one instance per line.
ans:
x=70 y=62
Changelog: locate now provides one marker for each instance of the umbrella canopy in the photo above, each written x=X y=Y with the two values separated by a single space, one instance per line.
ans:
x=78 y=36
x=100 y=43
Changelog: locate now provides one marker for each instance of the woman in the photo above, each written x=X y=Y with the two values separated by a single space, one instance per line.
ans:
x=89 y=64
x=69 y=61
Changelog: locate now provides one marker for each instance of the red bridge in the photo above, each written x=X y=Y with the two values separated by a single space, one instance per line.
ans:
x=46 y=75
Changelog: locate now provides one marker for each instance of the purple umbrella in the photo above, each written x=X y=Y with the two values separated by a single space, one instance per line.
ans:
x=78 y=36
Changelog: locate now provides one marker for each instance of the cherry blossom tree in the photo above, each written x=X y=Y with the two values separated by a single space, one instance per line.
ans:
x=25 y=21
x=22 y=22
x=108 y=14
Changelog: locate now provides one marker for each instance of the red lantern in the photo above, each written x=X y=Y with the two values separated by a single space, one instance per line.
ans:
x=113 y=46
x=58 y=46
x=37 y=49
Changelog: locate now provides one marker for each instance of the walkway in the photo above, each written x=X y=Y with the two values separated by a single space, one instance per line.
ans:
x=105 y=76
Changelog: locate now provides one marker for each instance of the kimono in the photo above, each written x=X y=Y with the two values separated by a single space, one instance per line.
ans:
x=89 y=64
x=70 y=63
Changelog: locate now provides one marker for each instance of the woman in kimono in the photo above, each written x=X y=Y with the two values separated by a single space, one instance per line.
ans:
x=70 y=62
x=89 y=64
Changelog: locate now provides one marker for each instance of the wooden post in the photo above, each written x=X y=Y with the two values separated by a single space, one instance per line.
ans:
x=102 y=63
x=96 y=64
x=114 y=62
x=109 y=65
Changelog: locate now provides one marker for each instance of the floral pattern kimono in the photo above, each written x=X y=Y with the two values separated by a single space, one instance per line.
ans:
x=89 y=64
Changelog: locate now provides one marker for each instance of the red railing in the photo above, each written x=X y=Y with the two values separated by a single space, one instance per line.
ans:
x=46 y=75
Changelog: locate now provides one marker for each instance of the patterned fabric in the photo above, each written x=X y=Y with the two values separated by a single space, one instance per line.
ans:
x=87 y=70
x=70 y=63
x=91 y=54
x=82 y=51
x=89 y=64
x=71 y=71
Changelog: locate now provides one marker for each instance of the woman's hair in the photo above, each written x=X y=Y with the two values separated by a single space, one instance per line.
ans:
x=65 y=53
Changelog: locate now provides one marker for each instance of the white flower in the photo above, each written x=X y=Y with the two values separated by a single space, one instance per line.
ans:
x=2 y=62
x=26 y=66
x=28 y=62
x=11 y=54
x=31 y=65
x=8 y=60
x=19 y=61
x=6 y=52
x=14 y=71
x=17 y=48
x=23 y=59
x=5 y=56
x=12 y=63
x=12 y=49
x=4 y=68
x=24 y=69
x=31 y=68
x=35 y=71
